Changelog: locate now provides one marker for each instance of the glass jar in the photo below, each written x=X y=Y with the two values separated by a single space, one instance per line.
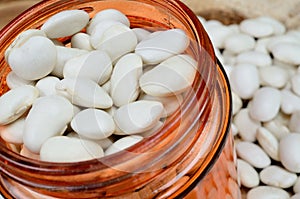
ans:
x=192 y=156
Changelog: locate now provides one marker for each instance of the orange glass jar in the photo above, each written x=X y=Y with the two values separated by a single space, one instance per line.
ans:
x=192 y=156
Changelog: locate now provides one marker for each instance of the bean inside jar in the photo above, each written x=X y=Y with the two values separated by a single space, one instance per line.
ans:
x=113 y=86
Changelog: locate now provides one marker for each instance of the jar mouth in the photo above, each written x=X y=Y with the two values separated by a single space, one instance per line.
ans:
x=178 y=129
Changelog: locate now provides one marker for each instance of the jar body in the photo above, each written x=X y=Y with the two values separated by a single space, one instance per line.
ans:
x=181 y=160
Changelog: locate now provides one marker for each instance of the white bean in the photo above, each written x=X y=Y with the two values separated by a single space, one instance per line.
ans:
x=289 y=147
x=26 y=64
x=48 y=117
x=65 y=149
x=234 y=129
x=256 y=28
x=125 y=79
x=171 y=103
x=103 y=143
x=14 y=81
x=93 y=124
x=139 y=116
x=65 y=23
x=122 y=144
x=141 y=33
x=281 y=39
x=15 y=102
x=291 y=69
x=117 y=40
x=274 y=76
x=63 y=55
x=236 y=103
x=253 y=154
x=267 y=192
x=229 y=58
x=95 y=65
x=268 y=142
x=244 y=79
x=97 y=32
x=239 y=42
x=84 y=92
x=218 y=33
x=157 y=48
x=287 y=53
x=81 y=41
x=265 y=104
x=296 y=186
x=212 y=22
x=106 y=15
x=171 y=77
x=22 y=38
x=278 y=177
x=254 y=57
x=289 y=102
x=46 y=85
x=247 y=126
x=13 y=132
x=247 y=174
x=278 y=27
x=278 y=129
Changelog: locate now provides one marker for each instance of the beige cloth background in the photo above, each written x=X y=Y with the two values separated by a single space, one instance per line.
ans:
x=9 y=9
x=287 y=11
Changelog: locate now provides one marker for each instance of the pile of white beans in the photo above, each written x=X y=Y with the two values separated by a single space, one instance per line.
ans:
x=262 y=58
x=70 y=102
